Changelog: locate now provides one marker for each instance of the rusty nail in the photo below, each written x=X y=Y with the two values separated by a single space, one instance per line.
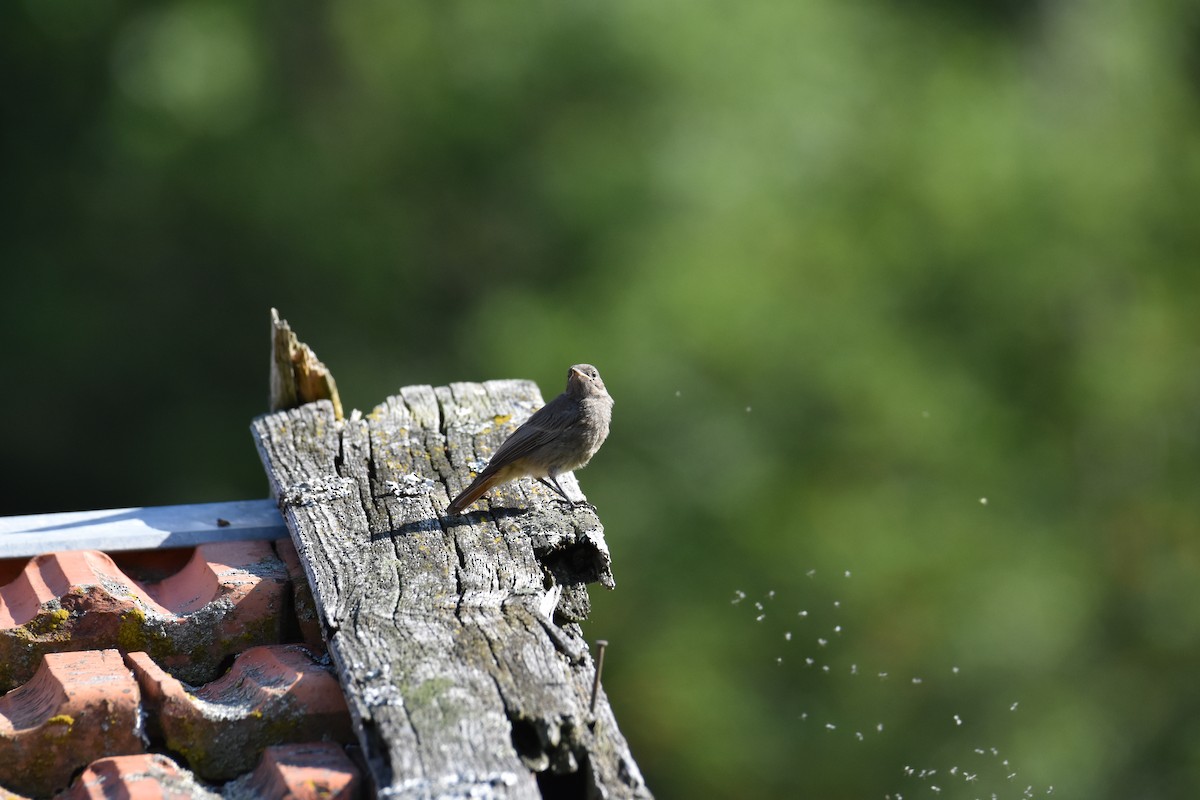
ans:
x=600 y=645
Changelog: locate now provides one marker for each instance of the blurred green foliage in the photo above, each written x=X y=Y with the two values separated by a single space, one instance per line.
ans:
x=905 y=290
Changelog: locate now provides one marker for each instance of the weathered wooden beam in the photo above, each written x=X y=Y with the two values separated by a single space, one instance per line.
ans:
x=140 y=528
x=457 y=639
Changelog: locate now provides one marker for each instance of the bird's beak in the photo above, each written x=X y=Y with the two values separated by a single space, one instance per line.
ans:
x=578 y=374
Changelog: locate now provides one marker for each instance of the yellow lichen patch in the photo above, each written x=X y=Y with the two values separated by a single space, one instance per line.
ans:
x=58 y=726
x=48 y=622
x=500 y=419
x=131 y=636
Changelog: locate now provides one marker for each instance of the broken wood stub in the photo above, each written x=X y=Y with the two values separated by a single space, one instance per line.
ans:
x=456 y=639
x=297 y=375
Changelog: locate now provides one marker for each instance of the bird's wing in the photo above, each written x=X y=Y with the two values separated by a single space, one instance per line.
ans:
x=546 y=424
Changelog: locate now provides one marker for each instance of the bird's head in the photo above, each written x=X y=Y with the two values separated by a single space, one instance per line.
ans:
x=584 y=380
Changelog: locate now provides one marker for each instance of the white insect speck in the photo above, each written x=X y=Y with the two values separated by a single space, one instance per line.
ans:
x=787 y=637
x=908 y=770
x=925 y=415
x=847 y=573
x=954 y=670
x=858 y=735
x=678 y=393
x=1013 y=707
x=837 y=603
x=822 y=642
x=829 y=726
x=957 y=719
x=758 y=605
x=809 y=661
x=980 y=750
x=935 y=789
x=879 y=728
x=983 y=501
x=970 y=777
x=738 y=596
x=760 y=617
x=811 y=572
x=916 y=680
x=771 y=595
x=883 y=676
x=837 y=629
x=747 y=409
x=801 y=613
x=804 y=715
x=779 y=660
x=825 y=668
x=854 y=669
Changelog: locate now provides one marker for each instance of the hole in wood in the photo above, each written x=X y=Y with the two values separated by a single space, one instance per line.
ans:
x=579 y=563
x=567 y=785
x=529 y=744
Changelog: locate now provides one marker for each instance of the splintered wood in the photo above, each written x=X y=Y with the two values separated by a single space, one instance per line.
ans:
x=297 y=375
x=456 y=638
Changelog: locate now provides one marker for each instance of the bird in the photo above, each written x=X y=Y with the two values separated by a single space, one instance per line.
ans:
x=561 y=436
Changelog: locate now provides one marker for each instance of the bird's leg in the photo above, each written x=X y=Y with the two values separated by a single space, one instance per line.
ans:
x=553 y=484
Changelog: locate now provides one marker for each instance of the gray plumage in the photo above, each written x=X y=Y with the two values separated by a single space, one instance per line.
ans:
x=561 y=436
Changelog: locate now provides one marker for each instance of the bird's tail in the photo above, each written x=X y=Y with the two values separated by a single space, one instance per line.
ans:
x=476 y=490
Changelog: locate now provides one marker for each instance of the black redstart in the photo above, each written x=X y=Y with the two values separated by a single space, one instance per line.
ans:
x=561 y=436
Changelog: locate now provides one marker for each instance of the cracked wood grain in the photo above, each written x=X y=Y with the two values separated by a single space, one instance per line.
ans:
x=457 y=640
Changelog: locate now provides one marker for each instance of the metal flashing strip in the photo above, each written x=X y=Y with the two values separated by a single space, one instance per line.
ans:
x=144 y=528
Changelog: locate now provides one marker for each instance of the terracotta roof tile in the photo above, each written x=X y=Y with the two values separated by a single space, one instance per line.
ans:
x=77 y=707
x=310 y=771
x=224 y=598
x=273 y=694
x=177 y=615
x=150 y=776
